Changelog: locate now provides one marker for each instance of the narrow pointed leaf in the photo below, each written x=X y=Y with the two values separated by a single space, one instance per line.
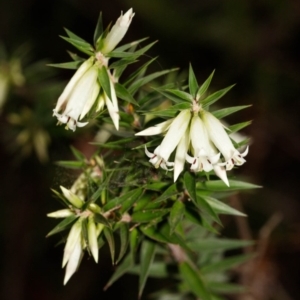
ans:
x=176 y=215
x=101 y=219
x=123 y=268
x=134 y=241
x=104 y=81
x=226 y=264
x=215 y=96
x=111 y=242
x=64 y=224
x=167 y=194
x=70 y=164
x=99 y=29
x=68 y=65
x=124 y=236
x=182 y=95
x=221 y=113
x=146 y=216
x=74 y=36
x=194 y=281
x=238 y=127
x=147 y=256
x=220 y=186
x=193 y=84
x=129 y=45
x=123 y=93
x=77 y=153
x=203 y=88
x=81 y=46
x=226 y=288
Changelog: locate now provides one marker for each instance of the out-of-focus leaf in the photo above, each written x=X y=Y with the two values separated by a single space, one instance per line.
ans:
x=131 y=195
x=101 y=219
x=167 y=194
x=124 y=267
x=146 y=216
x=146 y=259
x=221 y=207
x=64 y=224
x=226 y=288
x=111 y=242
x=176 y=215
x=226 y=264
x=70 y=164
x=194 y=281
x=77 y=153
x=67 y=65
x=214 y=244
x=134 y=240
x=124 y=237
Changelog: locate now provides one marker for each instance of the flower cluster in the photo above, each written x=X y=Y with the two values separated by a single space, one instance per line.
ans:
x=84 y=88
x=200 y=132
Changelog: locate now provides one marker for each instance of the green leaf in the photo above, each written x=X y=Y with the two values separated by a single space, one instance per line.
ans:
x=215 y=97
x=101 y=219
x=155 y=186
x=120 y=54
x=111 y=242
x=104 y=81
x=182 y=95
x=129 y=45
x=122 y=63
x=123 y=93
x=222 y=208
x=193 y=84
x=226 y=264
x=221 y=113
x=146 y=216
x=77 y=153
x=134 y=240
x=70 y=164
x=190 y=185
x=154 y=234
x=239 y=126
x=146 y=259
x=124 y=237
x=220 y=186
x=203 y=88
x=226 y=288
x=176 y=215
x=98 y=30
x=74 y=36
x=129 y=198
x=214 y=244
x=167 y=194
x=68 y=65
x=118 y=144
x=194 y=281
x=124 y=267
x=64 y=224
x=144 y=80
x=81 y=46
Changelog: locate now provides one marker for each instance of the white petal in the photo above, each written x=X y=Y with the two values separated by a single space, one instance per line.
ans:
x=92 y=238
x=218 y=135
x=181 y=153
x=70 y=86
x=118 y=31
x=72 y=240
x=73 y=261
x=113 y=111
x=175 y=133
x=221 y=173
x=156 y=129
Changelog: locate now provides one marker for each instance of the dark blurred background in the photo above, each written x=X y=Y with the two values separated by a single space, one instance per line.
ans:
x=254 y=44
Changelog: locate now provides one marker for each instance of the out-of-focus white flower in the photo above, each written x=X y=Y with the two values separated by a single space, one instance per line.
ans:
x=117 y=32
x=176 y=137
x=221 y=140
x=78 y=96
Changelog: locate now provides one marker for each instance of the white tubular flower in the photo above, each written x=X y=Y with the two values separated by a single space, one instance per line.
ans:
x=205 y=155
x=112 y=105
x=78 y=96
x=176 y=135
x=118 y=31
x=62 y=213
x=72 y=198
x=92 y=237
x=221 y=140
